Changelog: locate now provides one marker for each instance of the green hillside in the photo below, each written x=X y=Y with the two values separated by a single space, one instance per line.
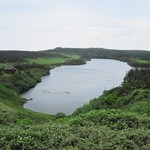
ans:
x=119 y=119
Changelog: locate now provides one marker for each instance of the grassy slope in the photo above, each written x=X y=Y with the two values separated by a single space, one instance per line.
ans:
x=139 y=63
x=11 y=110
x=143 y=61
x=46 y=61
x=106 y=128
x=2 y=65
x=24 y=79
x=54 y=60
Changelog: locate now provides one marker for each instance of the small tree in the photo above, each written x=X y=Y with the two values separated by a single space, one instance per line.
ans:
x=59 y=115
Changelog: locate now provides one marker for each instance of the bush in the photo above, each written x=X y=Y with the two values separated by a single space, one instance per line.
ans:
x=59 y=115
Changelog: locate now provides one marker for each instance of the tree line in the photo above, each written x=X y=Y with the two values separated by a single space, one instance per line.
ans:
x=14 y=56
x=88 y=53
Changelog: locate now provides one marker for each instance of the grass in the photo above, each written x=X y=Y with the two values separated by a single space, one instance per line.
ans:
x=72 y=56
x=11 y=110
x=2 y=65
x=142 y=61
x=54 y=60
x=24 y=79
x=47 y=61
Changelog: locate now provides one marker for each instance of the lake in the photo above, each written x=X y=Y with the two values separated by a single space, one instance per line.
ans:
x=70 y=87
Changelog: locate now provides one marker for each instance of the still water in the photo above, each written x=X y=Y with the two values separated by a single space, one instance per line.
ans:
x=69 y=87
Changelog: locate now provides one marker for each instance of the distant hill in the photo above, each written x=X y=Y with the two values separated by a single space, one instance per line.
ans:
x=123 y=55
x=85 y=53
x=13 y=56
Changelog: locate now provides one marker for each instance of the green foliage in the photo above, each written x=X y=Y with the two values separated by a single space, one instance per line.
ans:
x=112 y=118
x=74 y=60
x=7 y=115
x=23 y=80
x=27 y=117
x=143 y=61
x=24 y=121
x=123 y=55
x=47 y=61
x=17 y=56
x=139 y=63
x=11 y=110
x=2 y=65
x=112 y=129
x=59 y=115
x=119 y=119
x=9 y=96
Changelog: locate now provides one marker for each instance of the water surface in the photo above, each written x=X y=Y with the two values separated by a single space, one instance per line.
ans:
x=69 y=87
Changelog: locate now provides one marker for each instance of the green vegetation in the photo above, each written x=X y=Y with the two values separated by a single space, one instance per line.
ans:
x=47 y=61
x=103 y=129
x=11 y=110
x=88 y=53
x=64 y=59
x=22 y=80
x=143 y=61
x=17 y=56
x=140 y=63
x=119 y=119
x=2 y=65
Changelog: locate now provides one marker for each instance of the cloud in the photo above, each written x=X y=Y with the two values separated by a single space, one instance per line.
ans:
x=41 y=24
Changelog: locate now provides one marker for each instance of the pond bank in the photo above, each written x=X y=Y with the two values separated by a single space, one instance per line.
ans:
x=70 y=87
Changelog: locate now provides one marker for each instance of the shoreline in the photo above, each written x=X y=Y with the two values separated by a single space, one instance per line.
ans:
x=97 y=95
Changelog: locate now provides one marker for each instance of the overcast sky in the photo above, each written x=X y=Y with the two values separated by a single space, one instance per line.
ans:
x=44 y=24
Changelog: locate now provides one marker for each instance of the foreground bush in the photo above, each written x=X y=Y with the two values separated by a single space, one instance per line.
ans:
x=104 y=129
